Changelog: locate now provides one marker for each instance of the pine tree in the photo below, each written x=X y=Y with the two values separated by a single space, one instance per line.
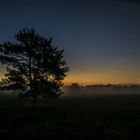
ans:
x=34 y=65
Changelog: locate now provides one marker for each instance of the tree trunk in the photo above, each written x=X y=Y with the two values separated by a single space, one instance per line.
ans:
x=33 y=94
x=34 y=98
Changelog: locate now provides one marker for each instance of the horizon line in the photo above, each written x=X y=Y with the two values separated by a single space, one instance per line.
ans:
x=92 y=84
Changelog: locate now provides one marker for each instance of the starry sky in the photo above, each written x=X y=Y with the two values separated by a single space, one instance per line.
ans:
x=101 y=38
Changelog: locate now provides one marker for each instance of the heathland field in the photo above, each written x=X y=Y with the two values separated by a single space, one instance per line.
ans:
x=97 y=117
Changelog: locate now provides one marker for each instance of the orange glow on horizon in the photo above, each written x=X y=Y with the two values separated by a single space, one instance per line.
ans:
x=98 y=78
x=107 y=78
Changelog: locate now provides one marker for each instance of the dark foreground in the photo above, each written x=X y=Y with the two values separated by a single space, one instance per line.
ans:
x=102 y=117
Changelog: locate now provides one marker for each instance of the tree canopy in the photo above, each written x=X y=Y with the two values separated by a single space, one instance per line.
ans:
x=33 y=64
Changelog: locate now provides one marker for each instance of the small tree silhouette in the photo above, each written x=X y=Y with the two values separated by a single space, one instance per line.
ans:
x=75 y=85
x=34 y=65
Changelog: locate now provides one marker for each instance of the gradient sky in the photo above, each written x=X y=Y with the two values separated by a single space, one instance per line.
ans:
x=101 y=38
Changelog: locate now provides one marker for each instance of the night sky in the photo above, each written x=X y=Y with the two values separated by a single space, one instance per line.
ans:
x=101 y=38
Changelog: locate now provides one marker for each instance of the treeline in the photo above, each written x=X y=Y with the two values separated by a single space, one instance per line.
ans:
x=76 y=89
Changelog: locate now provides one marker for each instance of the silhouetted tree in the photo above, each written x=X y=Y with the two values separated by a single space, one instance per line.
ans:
x=75 y=85
x=34 y=65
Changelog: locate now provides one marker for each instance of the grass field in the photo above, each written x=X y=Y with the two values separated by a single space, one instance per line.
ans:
x=99 y=117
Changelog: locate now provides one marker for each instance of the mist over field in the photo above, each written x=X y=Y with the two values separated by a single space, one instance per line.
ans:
x=88 y=91
x=81 y=113
x=95 y=90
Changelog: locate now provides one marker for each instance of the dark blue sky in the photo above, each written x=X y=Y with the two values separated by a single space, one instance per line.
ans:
x=101 y=38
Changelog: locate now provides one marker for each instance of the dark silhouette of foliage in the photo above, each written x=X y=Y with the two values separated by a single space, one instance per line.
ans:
x=34 y=65
x=75 y=85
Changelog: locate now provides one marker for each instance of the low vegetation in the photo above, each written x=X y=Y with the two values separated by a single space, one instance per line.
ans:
x=99 y=117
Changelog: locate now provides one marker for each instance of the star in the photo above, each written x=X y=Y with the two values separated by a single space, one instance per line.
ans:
x=44 y=7
x=5 y=20
x=4 y=15
x=135 y=36
x=100 y=32
x=49 y=14
x=30 y=7
x=38 y=14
